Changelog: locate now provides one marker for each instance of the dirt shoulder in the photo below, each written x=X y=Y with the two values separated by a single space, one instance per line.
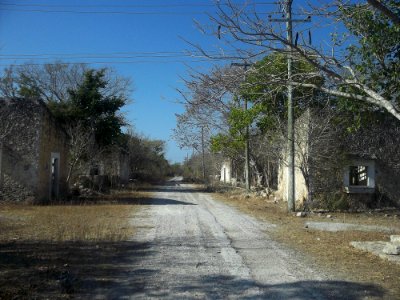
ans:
x=329 y=251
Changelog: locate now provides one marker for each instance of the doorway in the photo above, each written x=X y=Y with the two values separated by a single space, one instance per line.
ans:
x=54 y=176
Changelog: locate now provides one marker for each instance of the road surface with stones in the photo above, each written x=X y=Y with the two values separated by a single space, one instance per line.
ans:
x=194 y=247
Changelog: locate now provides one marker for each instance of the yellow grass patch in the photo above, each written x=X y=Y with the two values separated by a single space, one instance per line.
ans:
x=106 y=220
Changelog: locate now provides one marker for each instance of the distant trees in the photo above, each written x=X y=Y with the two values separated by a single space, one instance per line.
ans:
x=146 y=157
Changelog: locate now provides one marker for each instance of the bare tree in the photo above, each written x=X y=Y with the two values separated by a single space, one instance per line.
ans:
x=208 y=101
x=52 y=82
x=81 y=146
x=319 y=154
x=241 y=25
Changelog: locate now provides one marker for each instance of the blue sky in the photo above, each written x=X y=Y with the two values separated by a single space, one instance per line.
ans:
x=144 y=26
x=28 y=30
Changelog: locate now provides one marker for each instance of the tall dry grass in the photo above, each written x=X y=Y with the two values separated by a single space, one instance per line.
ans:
x=106 y=222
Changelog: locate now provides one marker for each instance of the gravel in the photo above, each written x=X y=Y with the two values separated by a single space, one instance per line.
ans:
x=194 y=247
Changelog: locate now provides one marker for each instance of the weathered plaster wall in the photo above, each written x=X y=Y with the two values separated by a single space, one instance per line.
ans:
x=52 y=140
x=301 y=153
x=301 y=190
x=226 y=172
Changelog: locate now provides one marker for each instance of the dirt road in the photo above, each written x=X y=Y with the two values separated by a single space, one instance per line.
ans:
x=191 y=246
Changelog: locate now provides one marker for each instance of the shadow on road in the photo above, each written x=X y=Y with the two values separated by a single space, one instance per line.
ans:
x=116 y=271
x=229 y=287
x=151 y=201
x=174 y=187
x=42 y=270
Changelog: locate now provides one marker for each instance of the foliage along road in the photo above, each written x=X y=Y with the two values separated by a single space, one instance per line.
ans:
x=192 y=246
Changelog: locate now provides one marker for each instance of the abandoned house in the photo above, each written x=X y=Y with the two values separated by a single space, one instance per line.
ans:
x=33 y=152
x=362 y=167
x=108 y=169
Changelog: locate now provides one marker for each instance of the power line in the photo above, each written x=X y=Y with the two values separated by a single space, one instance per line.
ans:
x=110 y=62
x=132 y=5
x=183 y=13
x=77 y=9
x=133 y=53
x=104 y=12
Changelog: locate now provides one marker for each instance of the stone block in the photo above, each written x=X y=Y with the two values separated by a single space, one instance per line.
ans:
x=395 y=239
x=391 y=249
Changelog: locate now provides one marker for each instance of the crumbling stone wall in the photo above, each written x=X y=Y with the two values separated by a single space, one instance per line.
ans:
x=27 y=148
x=20 y=148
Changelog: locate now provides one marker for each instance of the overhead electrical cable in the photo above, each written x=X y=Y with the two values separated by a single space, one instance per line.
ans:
x=132 y=5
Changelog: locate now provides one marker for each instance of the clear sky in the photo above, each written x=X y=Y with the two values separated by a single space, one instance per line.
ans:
x=140 y=39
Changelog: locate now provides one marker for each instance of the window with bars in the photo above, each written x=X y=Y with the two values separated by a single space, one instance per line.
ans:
x=358 y=175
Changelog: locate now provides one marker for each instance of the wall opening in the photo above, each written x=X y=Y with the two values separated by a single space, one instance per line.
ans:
x=55 y=176
x=359 y=177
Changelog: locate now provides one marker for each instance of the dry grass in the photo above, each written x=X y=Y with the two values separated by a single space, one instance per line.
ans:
x=107 y=220
x=328 y=251
x=53 y=252
x=66 y=223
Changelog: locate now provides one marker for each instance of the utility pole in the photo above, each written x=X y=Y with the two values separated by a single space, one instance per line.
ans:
x=291 y=193
x=291 y=160
x=247 y=152
x=247 y=130
x=202 y=151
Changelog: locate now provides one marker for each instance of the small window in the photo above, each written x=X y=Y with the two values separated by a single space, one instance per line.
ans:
x=359 y=175
x=94 y=170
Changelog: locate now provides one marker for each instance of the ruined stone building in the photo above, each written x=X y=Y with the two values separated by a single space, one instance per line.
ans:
x=108 y=170
x=33 y=152
x=363 y=168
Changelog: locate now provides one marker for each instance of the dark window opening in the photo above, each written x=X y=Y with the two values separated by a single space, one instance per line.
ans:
x=94 y=170
x=359 y=175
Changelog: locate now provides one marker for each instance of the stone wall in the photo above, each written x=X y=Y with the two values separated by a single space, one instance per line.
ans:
x=27 y=148
x=387 y=183
x=52 y=140
x=19 y=177
x=20 y=148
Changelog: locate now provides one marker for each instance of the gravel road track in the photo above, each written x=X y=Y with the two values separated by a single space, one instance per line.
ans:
x=193 y=247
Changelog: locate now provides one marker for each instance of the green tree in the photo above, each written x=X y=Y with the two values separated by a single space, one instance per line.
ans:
x=267 y=110
x=97 y=112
